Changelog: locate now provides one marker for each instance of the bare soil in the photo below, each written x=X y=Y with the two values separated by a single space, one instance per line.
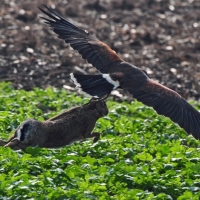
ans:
x=160 y=36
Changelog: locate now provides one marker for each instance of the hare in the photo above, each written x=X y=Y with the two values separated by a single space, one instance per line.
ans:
x=66 y=128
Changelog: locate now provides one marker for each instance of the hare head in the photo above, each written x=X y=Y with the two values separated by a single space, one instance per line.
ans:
x=102 y=108
x=100 y=105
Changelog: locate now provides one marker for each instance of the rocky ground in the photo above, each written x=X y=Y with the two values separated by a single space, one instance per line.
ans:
x=160 y=36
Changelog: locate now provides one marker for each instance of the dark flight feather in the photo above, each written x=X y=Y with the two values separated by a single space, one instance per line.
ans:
x=98 y=54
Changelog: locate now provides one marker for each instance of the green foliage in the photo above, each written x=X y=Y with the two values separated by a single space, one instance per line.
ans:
x=140 y=155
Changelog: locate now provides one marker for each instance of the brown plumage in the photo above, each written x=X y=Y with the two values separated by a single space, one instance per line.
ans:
x=118 y=73
x=74 y=125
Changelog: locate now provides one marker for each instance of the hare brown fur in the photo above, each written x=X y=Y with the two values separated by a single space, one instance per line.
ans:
x=74 y=125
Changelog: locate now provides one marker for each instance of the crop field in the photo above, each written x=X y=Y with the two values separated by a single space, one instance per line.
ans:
x=140 y=155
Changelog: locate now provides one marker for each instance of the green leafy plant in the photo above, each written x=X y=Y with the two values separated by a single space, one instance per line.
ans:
x=140 y=155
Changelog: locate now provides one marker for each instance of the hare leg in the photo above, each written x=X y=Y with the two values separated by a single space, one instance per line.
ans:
x=95 y=135
x=15 y=144
x=3 y=143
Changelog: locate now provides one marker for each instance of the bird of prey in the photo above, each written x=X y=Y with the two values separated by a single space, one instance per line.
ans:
x=115 y=73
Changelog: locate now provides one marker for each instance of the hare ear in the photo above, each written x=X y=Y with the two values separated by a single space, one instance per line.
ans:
x=23 y=130
x=105 y=97
x=93 y=99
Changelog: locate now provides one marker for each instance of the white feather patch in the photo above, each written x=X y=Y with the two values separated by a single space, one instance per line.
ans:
x=74 y=80
x=111 y=81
